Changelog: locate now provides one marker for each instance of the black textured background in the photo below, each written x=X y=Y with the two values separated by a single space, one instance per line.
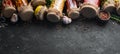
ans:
x=80 y=37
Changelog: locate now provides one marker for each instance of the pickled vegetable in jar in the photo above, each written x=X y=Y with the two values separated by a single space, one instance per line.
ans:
x=8 y=8
x=55 y=10
x=72 y=9
x=90 y=8
x=109 y=5
x=20 y=3
x=36 y=3
x=40 y=12
x=25 y=9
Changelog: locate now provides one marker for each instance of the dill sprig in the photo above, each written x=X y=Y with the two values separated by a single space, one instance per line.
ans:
x=115 y=17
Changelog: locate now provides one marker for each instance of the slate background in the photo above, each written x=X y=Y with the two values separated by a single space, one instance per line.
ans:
x=80 y=37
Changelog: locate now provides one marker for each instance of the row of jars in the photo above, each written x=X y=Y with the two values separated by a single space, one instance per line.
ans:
x=26 y=9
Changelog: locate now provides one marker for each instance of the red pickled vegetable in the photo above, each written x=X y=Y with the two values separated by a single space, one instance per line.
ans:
x=8 y=8
x=72 y=9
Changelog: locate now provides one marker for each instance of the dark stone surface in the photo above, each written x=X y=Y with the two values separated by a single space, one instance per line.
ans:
x=80 y=37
